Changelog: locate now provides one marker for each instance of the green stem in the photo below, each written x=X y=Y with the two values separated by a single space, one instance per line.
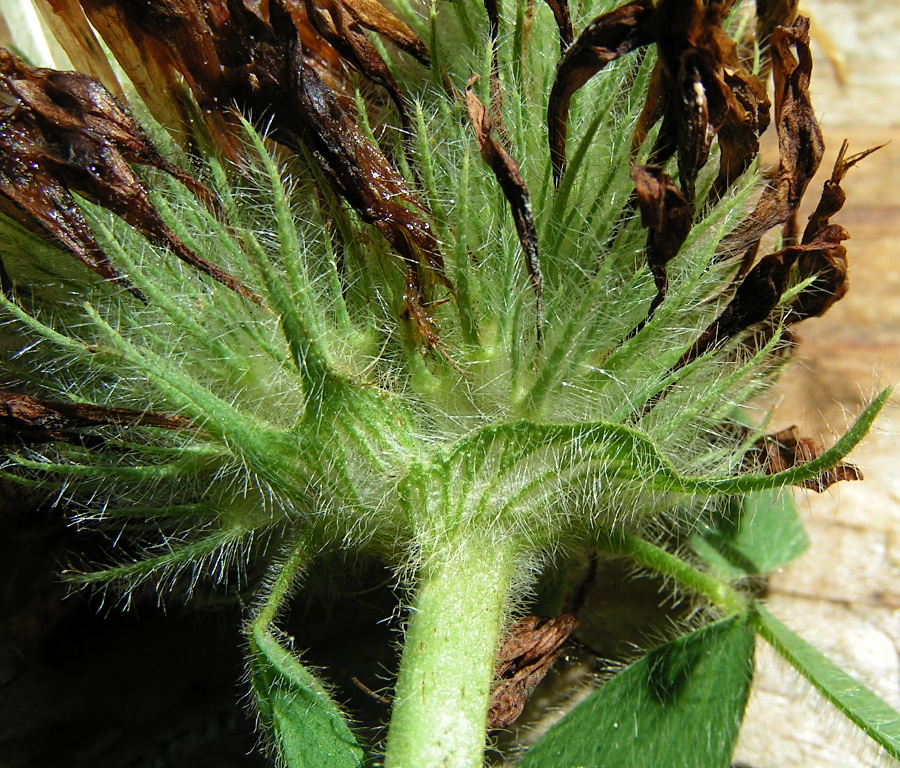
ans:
x=280 y=588
x=439 y=717
x=719 y=593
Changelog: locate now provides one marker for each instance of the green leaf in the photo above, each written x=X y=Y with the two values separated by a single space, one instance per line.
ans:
x=680 y=705
x=878 y=720
x=759 y=533
x=306 y=725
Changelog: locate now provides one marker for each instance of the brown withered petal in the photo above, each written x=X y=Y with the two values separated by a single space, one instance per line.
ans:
x=668 y=216
x=746 y=119
x=786 y=449
x=62 y=133
x=652 y=112
x=771 y=14
x=761 y=289
x=695 y=131
x=33 y=196
x=333 y=20
x=800 y=143
x=421 y=328
x=833 y=196
x=753 y=301
x=506 y=171
x=605 y=39
x=525 y=656
x=88 y=105
x=560 y=9
x=496 y=96
x=701 y=90
x=71 y=29
x=146 y=60
x=269 y=59
x=745 y=116
x=35 y=420
x=692 y=87
x=374 y=16
x=825 y=258
x=362 y=174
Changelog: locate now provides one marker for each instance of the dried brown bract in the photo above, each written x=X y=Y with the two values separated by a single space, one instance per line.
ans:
x=34 y=420
x=786 y=449
x=63 y=133
x=530 y=647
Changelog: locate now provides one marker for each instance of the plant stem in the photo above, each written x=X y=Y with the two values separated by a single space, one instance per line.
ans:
x=439 y=718
x=280 y=587
x=719 y=593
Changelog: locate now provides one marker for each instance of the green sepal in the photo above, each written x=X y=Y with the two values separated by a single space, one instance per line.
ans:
x=526 y=453
x=305 y=725
x=877 y=719
x=681 y=704
x=756 y=534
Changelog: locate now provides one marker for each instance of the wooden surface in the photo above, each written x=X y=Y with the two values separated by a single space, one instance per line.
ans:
x=844 y=593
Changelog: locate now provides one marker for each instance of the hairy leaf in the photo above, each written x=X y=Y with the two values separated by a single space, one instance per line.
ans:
x=682 y=704
x=625 y=454
x=879 y=721
x=757 y=534
x=305 y=724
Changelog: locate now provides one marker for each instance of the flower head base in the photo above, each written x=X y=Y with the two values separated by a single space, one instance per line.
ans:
x=413 y=339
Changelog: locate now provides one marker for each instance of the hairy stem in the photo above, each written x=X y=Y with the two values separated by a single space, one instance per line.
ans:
x=279 y=588
x=440 y=708
x=642 y=552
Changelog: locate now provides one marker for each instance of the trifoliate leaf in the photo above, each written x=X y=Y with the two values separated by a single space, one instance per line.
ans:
x=680 y=705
